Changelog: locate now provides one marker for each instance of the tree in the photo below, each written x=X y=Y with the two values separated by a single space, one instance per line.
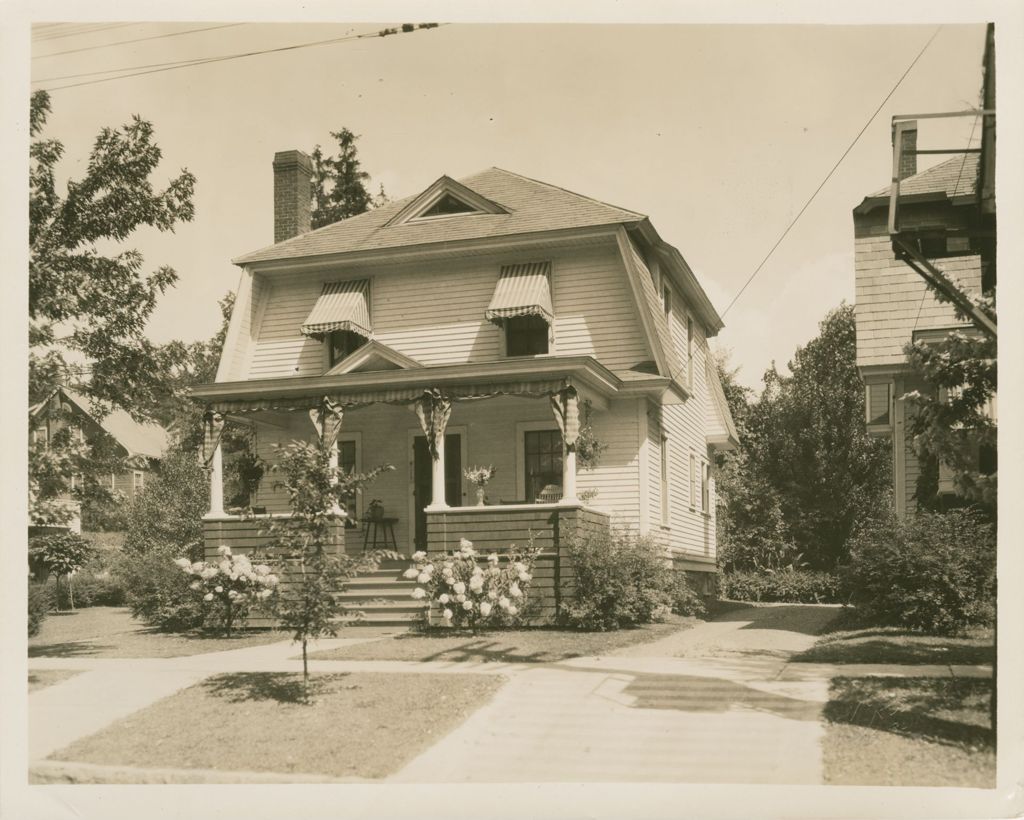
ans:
x=954 y=424
x=88 y=306
x=310 y=609
x=83 y=303
x=339 y=183
x=807 y=472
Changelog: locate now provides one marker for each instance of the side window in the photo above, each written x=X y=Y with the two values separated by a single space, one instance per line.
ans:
x=693 y=481
x=705 y=487
x=526 y=336
x=878 y=401
x=138 y=481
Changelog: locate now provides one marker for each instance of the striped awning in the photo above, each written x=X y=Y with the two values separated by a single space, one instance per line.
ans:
x=523 y=290
x=340 y=306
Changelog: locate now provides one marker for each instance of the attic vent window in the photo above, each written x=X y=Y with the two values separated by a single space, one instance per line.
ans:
x=448 y=205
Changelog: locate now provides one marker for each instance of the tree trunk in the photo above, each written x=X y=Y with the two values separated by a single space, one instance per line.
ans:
x=71 y=593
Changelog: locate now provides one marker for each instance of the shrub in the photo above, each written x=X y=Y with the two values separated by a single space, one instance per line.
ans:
x=789 y=585
x=620 y=581
x=467 y=593
x=97 y=583
x=158 y=592
x=39 y=603
x=685 y=599
x=933 y=571
x=167 y=515
x=229 y=587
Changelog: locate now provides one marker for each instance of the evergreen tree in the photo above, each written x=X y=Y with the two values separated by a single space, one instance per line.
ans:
x=340 y=184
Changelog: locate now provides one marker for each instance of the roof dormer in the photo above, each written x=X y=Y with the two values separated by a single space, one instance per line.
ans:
x=444 y=199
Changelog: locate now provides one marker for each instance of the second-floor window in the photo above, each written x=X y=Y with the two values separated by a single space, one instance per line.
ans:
x=342 y=344
x=526 y=336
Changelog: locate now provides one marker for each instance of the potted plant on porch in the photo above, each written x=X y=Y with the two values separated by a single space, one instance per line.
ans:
x=479 y=476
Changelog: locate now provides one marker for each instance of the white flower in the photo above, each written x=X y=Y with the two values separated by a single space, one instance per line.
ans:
x=224 y=567
x=460 y=597
x=428 y=568
x=419 y=593
x=443 y=598
x=519 y=566
x=513 y=610
x=208 y=596
x=423 y=578
x=419 y=555
x=447 y=614
x=459 y=588
x=467 y=605
x=493 y=595
x=477 y=584
x=485 y=608
x=447 y=566
x=504 y=602
x=465 y=543
x=493 y=558
x=232 y=595
x=183 y=563
x=412 y=572
x=525 y=576
x=197 y=567
x=271 y=580
x=495 y=572
x=515 y=591
x=218 y=589
x=477 y=570
x=208 y=572
x=224 y=549
x=195 y=585
x=262 y=569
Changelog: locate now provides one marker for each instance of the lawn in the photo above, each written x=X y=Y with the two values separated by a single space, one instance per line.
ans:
x=539 y=645
x=42 y=678
x=111 y=632
x=848 y=644
x=909 y=732
x=362 y=725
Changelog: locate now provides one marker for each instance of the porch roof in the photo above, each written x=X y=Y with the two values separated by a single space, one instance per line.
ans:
x=526 y=376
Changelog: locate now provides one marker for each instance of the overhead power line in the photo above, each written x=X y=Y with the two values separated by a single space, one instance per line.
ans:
x=137 y=40
x=172 y=66
x=828 y=176
x=48 y=34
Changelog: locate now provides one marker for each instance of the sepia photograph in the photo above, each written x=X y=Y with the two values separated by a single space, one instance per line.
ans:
x=464 y=405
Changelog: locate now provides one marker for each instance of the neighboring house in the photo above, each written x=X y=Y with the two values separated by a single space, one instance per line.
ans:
x=500 y=313
x=140 y=444
x=942 y=219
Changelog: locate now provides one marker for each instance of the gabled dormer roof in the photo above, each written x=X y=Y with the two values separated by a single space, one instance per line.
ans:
x=504 y=204
x=446 y=198
x=371 y=357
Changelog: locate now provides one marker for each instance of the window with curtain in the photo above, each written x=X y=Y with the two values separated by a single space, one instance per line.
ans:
x=542 y=461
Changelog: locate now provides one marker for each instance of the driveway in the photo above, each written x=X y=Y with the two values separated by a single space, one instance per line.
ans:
x=706 y=705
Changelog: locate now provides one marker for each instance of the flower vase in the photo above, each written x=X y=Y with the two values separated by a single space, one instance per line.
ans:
x=481 y=496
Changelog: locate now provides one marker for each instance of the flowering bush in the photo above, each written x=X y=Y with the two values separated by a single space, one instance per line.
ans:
x=470 y=595
x=229 y=586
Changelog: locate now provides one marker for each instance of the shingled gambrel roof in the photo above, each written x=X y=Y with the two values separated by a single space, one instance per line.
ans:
x=532 y=206
x=955 y=177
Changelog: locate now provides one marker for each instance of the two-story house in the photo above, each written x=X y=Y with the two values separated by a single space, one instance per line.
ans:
x=479 y=322
x=941 y=220
x=139 y=444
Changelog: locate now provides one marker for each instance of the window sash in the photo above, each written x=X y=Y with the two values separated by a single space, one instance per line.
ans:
x=542 y=459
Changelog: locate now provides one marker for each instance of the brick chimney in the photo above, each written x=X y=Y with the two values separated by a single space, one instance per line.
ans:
x=908 y=161
x=293 y=194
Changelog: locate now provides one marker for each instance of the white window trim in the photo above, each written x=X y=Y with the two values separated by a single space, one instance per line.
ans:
x=138 y=480
x=693 y=481
x=522 y=428
x=867 y=405
x=705 y=487
x=357 y=439
x=665 y=467
x=691 y=338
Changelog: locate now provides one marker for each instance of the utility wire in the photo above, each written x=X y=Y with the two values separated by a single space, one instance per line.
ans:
x=46 y=35
x=206 y=60
x=117 y=70
x=137 y=40
x=831 y=172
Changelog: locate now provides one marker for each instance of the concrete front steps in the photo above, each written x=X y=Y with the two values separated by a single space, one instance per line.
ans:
x=383 y=596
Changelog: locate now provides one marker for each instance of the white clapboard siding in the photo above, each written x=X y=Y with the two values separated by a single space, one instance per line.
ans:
x=435 y=313
x=617 y=476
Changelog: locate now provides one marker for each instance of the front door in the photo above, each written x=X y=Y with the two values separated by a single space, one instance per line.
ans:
x=423 y=489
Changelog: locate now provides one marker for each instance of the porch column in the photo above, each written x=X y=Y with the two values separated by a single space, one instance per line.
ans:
x=566 y=407
x=433 y=410
x=213 y=460
x=326 y=420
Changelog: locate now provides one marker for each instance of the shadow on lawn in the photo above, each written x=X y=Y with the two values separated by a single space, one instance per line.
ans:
x=901 y=648
x=494 y=651
x=953 y=711
x=280 y=687
x=805 y=619
x=69 y=649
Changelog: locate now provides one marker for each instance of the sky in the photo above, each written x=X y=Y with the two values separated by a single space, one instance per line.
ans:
x=719 y=133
